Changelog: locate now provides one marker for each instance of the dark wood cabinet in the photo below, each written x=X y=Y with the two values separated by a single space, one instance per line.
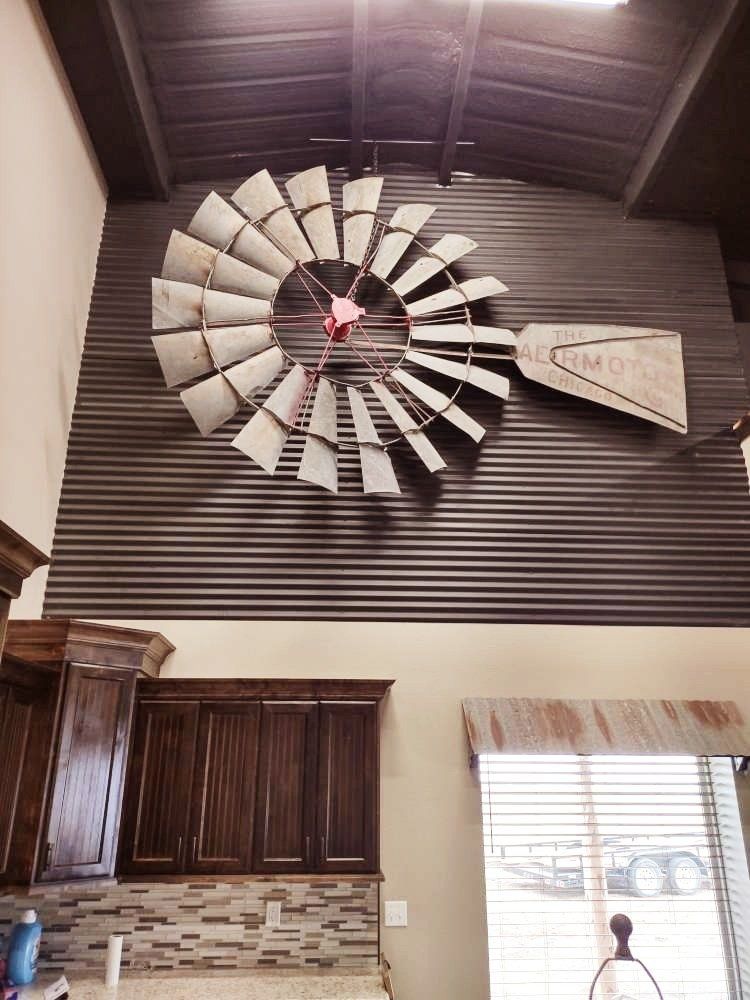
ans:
x=286 y=813
x=15 y=728
x=84 y=814
x=348 y=787
x=71 y=744
x=223 y=799
x=256 y=776
x=155 y=832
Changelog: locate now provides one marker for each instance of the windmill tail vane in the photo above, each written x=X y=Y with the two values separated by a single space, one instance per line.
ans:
x=293 y=311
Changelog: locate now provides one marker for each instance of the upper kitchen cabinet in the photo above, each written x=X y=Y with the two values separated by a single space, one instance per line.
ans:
x=348 y=787
x=76 y=790
x=286 y=806
x=254 y=776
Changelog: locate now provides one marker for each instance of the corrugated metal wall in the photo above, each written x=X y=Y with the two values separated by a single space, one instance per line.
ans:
x=568 y=512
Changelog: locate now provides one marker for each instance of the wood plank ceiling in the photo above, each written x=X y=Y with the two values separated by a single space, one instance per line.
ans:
x=556 y=94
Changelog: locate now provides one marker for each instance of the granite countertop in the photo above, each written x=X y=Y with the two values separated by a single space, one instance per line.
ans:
x=249 y=985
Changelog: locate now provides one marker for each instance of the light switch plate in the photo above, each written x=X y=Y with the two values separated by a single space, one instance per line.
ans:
x=273 y=914
x=395 y=913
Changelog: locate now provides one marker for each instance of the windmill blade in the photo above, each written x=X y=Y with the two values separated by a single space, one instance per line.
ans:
x=467 y=291
x=217 y=223
x=360 y=200
x=188 y=259
x=460 y=333
x=377 y=469
x=310 y=195
x=416 y=438
x=633 y=369
x=319 y=463
x=263 y=437
x=176 y=303
x=498 y=385
x=217 y=399
x=263 y=203
x=440 y=403
x=448 y=249
x=407 y=220
x=187 y=354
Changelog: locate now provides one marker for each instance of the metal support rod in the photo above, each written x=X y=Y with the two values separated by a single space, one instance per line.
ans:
x=359 y=81
x=460 y=90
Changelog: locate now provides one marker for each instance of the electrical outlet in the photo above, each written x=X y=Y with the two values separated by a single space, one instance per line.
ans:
x=273 y=914
x=395 y=913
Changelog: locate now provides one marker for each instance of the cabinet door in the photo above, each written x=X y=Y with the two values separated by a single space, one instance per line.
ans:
x=285 y=817
x=86 y=793
x=158 y=798
x=348 y=787
x=15 y=726
x=221 y=826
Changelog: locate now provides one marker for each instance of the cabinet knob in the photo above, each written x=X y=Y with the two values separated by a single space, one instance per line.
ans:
x=323 y=851
x=195 y=849
x=48 y=856
x=179 y=847
x=307 y=852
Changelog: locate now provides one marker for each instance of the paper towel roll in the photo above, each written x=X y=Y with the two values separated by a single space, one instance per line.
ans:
x=114 y=955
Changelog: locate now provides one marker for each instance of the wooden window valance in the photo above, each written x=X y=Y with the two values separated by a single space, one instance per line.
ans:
x=540 y=725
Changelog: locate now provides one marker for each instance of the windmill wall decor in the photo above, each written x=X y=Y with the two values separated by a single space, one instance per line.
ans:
x=257 y=290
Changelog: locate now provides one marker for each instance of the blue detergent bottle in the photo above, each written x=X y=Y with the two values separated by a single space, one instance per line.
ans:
x=23 y=949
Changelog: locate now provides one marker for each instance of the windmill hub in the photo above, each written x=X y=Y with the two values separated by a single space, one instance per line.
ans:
x=343 y=315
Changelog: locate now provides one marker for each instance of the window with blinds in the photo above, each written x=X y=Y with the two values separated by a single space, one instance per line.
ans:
x=569 y=841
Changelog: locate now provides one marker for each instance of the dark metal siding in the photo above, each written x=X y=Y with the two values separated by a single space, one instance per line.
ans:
x=568 y=512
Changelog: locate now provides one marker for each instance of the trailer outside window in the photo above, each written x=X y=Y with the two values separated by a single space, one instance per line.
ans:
x=569 y=841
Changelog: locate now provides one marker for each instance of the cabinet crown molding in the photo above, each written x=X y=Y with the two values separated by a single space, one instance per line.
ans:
x=263 y=689
x=18 y=559
x=56 y=640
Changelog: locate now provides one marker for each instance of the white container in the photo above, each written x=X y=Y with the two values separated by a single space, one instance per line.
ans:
x=114 y=957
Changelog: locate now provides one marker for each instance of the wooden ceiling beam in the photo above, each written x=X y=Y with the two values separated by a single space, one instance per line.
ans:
x=711 y=42
x=460 y=90
x=359 y=86
x=98 y=45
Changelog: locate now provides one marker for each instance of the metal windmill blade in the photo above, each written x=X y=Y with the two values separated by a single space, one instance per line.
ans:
x=186 y=354
x=467 y=291
x=264 y=205
x=439 y=403
x=446 y=251
x=319 y=463
x=466 y=371
x=179 y=304
x=311 y=197
x=406 y=423
x=217 y=399
x=263 y=437
x=462 y=333
x=406 y=222
x=360 y=200
x=377 y=469
x=190 y=260
x=217 y=223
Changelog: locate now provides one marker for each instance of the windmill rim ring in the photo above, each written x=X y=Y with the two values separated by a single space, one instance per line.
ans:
x=297 y=428
x=312 y=371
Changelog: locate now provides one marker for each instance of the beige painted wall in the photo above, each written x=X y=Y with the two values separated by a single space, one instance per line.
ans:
x=431 y=825
x=52 y=202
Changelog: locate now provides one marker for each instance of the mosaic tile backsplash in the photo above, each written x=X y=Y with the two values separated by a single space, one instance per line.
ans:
x=216 y=925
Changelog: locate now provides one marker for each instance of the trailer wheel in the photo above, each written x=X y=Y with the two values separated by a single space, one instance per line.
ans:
x=685 y=875
x=645 y=878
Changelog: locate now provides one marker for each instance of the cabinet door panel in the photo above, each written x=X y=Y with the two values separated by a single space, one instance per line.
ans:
x=15 y=725
x=285 y=819
x=159 y=788
x=348 y=787
x=87 y=779
x=224 y=788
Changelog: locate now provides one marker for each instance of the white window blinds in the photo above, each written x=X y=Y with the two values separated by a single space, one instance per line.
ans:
x=571 y=840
